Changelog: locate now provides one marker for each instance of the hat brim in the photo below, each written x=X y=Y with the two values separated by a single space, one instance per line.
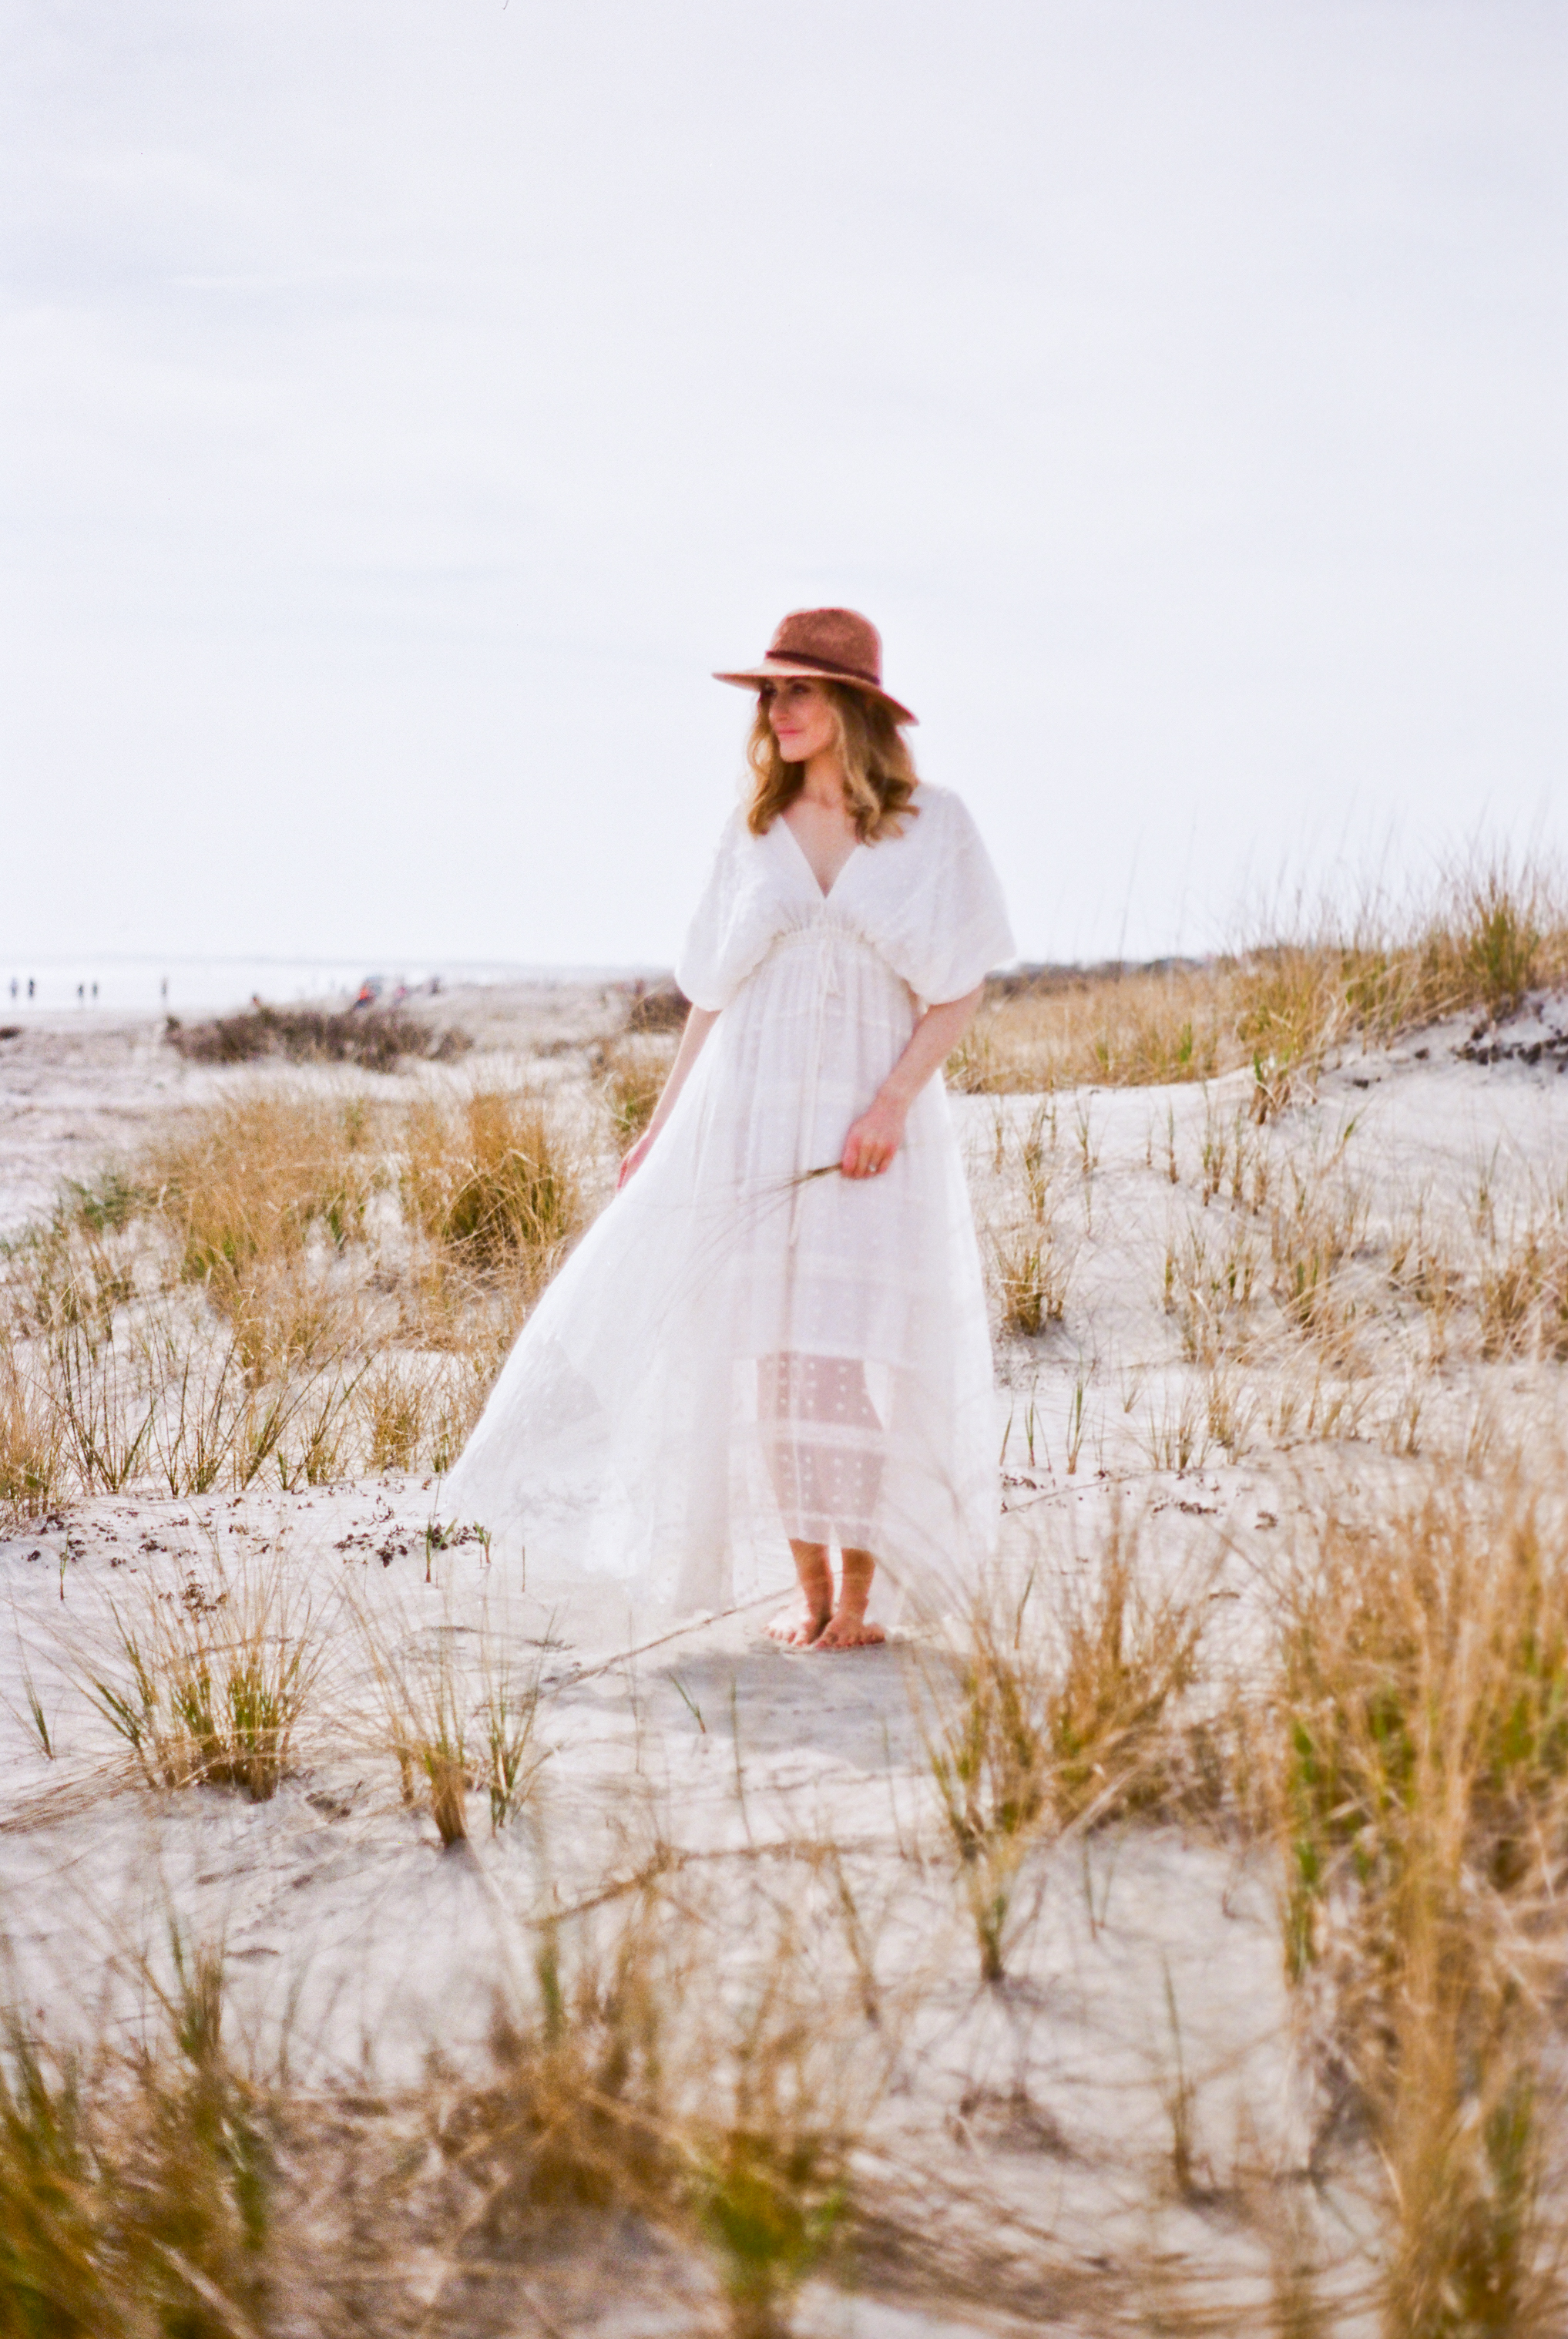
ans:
x=800 y=670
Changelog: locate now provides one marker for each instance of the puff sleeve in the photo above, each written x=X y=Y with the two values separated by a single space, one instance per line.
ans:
x=730 y=928
x=948 y=925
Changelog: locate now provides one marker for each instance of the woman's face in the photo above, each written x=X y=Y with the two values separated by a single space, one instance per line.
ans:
x=802 y=719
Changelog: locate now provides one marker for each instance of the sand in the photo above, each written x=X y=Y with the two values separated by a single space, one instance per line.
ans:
x=1147 y=1985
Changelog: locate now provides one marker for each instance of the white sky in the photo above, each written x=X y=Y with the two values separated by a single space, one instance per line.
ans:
x=406 y=402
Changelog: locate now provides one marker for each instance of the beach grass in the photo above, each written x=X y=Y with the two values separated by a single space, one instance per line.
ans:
x=1491 y=931
x=1421 y=1798
x=288 y=1283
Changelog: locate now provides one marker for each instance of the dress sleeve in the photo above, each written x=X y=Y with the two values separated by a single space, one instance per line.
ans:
x=951 y=926
x=720 y=948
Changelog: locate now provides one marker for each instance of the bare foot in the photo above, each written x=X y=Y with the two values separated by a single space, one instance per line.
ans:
x=798 y=1628
x=848 y=1630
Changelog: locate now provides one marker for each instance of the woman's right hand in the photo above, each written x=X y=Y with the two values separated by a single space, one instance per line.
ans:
x=634 y=1159
x=700 y=1021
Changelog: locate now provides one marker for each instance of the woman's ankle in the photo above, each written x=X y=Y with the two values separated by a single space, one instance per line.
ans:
x=859 y=1572
x=815 y=1579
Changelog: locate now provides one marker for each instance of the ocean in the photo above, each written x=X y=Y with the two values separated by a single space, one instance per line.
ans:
x=209 y=986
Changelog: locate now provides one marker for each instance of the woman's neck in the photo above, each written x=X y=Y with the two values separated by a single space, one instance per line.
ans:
x=823 y=783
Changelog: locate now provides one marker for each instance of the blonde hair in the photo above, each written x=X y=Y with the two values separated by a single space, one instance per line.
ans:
x=879 y=773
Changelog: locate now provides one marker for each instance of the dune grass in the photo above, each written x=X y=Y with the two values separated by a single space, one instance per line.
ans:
x=457 y=1707
x=622 y=2111
x=206 y=1686
x=377 y=1038
x=1421 y=1796
x=1031 y=1266
x=137 y=2189
x=1495 y=930
x=289 y=1283
x=488 y=1181
x=254 y=1178
x=1054 y=1712
x=31 y=1438
x=724 y=2110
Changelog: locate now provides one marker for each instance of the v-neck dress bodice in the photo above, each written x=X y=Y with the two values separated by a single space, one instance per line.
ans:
x=739 y=1352
x=826 y=889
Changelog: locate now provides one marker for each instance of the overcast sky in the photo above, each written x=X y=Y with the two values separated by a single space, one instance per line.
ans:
x=406 y=402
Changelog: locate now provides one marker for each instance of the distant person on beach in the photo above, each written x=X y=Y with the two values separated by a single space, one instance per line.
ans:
x=773 y=1344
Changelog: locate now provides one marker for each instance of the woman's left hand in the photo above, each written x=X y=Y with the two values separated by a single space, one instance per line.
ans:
x=872 y=1141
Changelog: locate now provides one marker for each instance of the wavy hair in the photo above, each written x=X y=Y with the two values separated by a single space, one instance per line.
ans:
x=879 y=773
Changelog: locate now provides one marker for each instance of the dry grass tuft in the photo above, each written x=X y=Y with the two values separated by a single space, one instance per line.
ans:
x=31 y=1437
x=1176 y=1437
x=1234 y=1158
x=1052 y=1719
x=574 y=2117
x=1140 y=1028
x=137 y=2193
x=1522 y=1296
x=424 y=1703
x=1030 y=1270
x=722 y=2106
x=1423 y=1802
x=1314 y=1230
x=452 y=1726
x=1422 y=1267
x=491 y=1182
x=71 y=1273
x=657 y=1007
x=393 y=1401
x=509 y=1698
x=212 y=1681
x=1504 y=915
x=1207 y=1287
x=770 y=2140
x=1031 y=1279
x=249 y=1181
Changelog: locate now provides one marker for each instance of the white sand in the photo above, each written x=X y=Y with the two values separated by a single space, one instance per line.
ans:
x=340 y=1916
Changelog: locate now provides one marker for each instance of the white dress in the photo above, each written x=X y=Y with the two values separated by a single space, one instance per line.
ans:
x=736 y=1353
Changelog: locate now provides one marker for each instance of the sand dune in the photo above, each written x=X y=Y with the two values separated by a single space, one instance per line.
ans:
x=1117 y=2127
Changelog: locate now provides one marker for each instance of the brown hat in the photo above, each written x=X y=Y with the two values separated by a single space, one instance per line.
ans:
x=831 y=644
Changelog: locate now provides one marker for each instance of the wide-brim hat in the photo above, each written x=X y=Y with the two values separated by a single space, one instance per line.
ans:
x=824 y=645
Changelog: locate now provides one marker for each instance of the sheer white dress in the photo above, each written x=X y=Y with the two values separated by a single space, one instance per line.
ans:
x=737 y=1353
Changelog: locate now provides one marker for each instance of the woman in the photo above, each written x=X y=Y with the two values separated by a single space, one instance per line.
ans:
x=773 y=1341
